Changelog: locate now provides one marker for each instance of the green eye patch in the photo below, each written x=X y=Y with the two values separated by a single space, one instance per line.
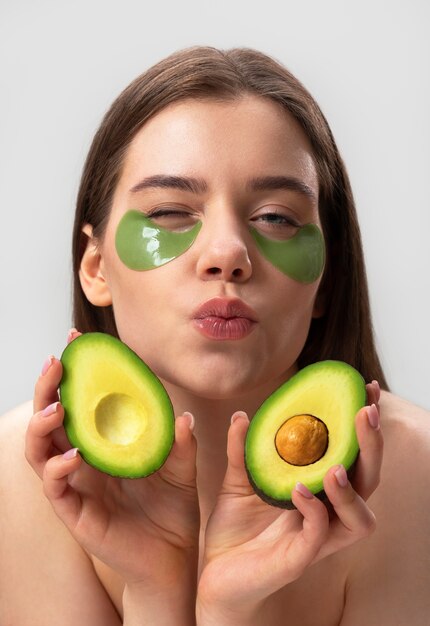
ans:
x=301 y=257
x=142 y=245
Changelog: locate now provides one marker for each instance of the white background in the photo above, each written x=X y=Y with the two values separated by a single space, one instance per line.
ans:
x=62 y=64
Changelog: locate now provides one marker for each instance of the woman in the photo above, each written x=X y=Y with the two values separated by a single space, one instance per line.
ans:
x=229 y=140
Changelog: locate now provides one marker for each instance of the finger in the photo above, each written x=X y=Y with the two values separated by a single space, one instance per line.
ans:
x=46 y=388
x=60 y=441
x=298 y=554
x=354 y=518
x=73 y=333
x=236 y=479
x=367 y=471
x=45 y=436
x=377 y=390
x=373 y=393
x=181 y=462
x=65 y=500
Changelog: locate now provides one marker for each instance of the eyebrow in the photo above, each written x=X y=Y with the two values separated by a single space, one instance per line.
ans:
x=198 y=185
x=281 y=182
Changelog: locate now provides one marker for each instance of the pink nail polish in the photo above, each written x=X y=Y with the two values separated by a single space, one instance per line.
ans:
x=373 y=416
x=50 y=409
x=47 y=365
x=341 y=476
x=301 y=488
x=377 y=388
x=238 y=415
x=70 y=454
x=192 y=421
x=72 y=331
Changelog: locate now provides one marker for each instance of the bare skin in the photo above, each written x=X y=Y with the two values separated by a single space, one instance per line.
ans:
x=381 y=580
x=236 y=560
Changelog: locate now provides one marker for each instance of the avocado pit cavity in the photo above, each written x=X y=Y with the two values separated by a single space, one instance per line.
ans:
x=119 y=418
x=302 y=440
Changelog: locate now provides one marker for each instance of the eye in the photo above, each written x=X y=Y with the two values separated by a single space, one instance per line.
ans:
x=167 y=212
x=172 y=218
x=278 y=219
x=278 y=223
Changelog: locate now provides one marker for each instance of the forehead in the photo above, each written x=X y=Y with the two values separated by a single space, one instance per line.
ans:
x=225 y=143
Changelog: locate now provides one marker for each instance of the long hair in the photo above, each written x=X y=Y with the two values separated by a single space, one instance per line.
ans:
x=345 y=330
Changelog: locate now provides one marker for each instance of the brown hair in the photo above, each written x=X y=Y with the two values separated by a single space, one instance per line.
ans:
x=345 y=331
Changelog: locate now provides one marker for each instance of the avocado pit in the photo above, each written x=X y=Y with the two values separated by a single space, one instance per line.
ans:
x=302 y=440
x=119 y=418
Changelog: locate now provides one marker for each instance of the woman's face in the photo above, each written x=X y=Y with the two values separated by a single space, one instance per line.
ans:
x=225 y=145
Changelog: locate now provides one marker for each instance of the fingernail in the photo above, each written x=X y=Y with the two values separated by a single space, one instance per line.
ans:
x=72 y=331
x=373 y=416
x=50 y=409
x=238 y=415
x=70 y=454
x=377 y=387
x=341 y=476
x=301 y=488
x=47 y=365
x=192 y=421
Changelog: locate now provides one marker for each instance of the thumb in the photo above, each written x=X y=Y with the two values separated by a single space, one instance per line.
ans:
x=236 y=480
x=180 y=466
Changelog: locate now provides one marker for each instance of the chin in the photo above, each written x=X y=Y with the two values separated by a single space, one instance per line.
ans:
x=223 y=377
x=212 y=387
x=227 y=393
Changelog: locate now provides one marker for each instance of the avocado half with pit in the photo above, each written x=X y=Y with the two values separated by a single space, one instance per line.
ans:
x=117 y=412
x=301 y=430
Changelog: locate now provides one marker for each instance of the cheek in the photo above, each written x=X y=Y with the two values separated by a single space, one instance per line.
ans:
x=140 y=301
x=293 y=299
x=132 y=307
x=292 y=315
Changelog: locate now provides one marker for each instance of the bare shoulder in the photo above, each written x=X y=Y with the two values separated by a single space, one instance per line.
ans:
x=406 y=431
x=389 y=575
x=18 y=483
x=398 y=413
x=406 y=464
x=43 y=572
x=16 y=418
x=13 y=425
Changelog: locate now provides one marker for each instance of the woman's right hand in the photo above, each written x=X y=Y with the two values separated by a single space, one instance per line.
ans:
x=146 y=529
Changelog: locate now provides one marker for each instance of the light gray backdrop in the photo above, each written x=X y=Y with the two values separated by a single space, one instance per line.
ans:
x=61 y=65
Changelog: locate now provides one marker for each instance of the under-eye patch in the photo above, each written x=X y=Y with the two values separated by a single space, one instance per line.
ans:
x=142 y=245
x=301 y=257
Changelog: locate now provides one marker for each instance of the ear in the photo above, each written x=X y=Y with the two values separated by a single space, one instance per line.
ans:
x=91 y=271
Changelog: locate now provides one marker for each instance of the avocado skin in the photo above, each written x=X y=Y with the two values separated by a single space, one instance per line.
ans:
x=321 y=495
x=288 y=504
x=68 y=402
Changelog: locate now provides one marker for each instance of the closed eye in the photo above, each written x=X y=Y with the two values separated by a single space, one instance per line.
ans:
x=172 y=219
x=164 y=212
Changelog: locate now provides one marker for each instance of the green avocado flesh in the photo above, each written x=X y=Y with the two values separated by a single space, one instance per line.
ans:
x=117 y=411
x=325 y=395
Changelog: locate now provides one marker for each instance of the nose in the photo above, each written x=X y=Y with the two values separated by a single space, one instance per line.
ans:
x=223 y=252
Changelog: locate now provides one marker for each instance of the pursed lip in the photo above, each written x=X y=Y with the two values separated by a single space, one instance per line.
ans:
x=226 y=308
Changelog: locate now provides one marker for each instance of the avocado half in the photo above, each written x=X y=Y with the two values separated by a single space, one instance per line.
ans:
x=302 y=429
x=117 y=411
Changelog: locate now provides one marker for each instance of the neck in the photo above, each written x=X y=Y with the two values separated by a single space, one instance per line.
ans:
x=212 y=423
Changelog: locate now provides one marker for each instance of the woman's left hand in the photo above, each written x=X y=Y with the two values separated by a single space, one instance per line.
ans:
x=253 y=549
